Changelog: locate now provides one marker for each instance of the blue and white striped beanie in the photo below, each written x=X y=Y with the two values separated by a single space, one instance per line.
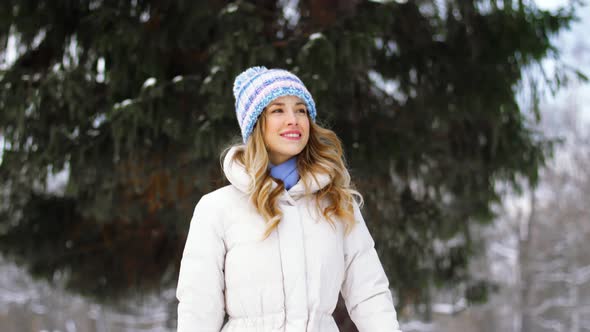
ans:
x=256 y=87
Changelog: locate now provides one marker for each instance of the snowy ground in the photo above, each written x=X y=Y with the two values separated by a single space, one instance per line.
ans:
x=32 y=306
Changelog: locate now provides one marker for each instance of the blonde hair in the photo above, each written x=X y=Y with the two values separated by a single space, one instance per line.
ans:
x=322 y=154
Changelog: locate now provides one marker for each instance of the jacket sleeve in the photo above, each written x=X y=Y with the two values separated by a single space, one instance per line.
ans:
x=201 y=281
x=365 y=288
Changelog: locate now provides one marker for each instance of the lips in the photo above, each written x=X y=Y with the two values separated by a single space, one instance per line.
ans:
x=291 y=135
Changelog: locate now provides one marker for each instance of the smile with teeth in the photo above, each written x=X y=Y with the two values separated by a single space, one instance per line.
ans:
x=291 y=135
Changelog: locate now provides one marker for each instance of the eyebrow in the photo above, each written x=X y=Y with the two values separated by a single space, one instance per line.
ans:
x=282 y=104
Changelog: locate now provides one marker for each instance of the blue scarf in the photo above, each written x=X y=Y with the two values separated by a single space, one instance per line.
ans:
x=286 y=172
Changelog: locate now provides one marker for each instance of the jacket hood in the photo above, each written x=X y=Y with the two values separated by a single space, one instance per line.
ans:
x=236 y=173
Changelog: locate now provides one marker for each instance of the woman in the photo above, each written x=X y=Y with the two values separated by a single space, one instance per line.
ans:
x=275 y=248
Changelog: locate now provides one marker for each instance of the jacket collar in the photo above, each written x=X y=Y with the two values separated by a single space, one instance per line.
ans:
x=239 y=178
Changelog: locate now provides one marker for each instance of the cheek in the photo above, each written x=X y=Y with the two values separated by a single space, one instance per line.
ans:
x=271 y=125
x=306 y=127
x=268 y=130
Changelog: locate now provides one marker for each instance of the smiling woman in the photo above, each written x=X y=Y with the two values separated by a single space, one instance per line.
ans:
x=286 y=128
x=275 y=248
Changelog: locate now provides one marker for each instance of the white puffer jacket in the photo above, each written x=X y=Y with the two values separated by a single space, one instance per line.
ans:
x=288 y=282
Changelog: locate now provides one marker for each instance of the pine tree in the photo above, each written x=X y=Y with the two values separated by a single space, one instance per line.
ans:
x=133 y=99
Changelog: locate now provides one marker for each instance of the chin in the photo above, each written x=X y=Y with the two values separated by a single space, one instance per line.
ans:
x=290 y=153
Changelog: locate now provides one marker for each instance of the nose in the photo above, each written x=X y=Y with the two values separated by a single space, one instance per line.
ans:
x=292 y=118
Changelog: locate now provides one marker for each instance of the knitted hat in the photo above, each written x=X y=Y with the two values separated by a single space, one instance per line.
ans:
x=257 y=87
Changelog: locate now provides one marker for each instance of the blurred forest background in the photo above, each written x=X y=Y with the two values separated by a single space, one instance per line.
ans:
x=113 y=115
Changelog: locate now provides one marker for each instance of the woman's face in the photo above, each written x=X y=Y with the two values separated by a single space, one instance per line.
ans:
x=286 y=128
